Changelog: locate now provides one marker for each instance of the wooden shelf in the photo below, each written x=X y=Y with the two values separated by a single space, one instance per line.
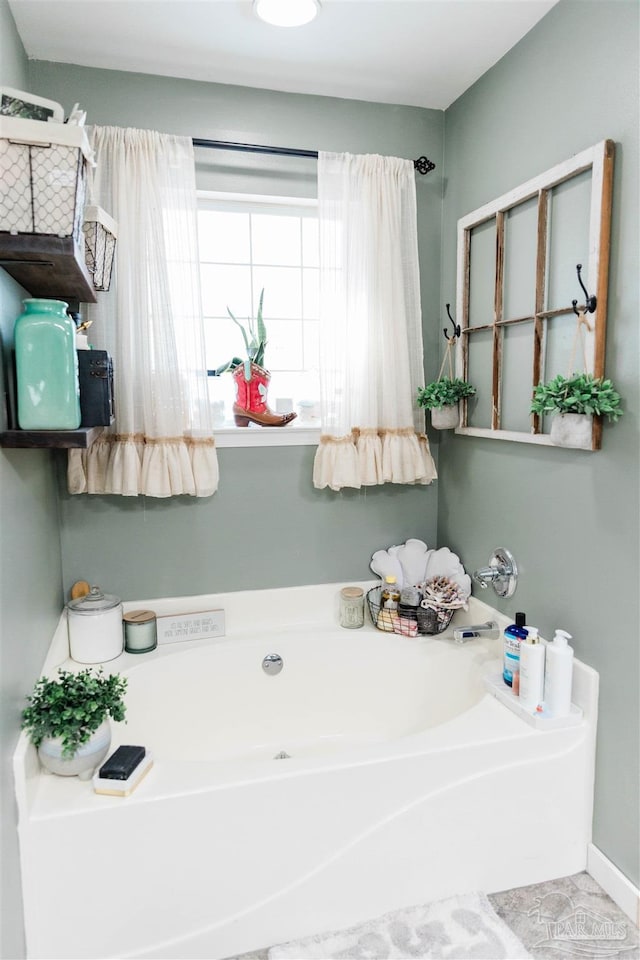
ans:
x=47 y=266
x=50 y=439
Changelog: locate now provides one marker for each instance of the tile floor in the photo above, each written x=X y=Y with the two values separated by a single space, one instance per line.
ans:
x=567 y=919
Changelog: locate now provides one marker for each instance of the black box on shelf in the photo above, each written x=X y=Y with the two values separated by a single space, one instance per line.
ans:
x=95 y=373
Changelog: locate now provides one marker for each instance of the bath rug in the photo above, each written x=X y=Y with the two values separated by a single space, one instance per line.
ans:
x=459 y=928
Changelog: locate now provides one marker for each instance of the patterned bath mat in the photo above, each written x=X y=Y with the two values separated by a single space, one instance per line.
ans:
x=459 y=928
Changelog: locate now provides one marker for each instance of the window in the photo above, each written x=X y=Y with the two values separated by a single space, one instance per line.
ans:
x=517 y=262
x=247 y=244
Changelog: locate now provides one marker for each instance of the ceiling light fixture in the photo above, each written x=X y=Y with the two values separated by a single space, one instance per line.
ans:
x=286 y=13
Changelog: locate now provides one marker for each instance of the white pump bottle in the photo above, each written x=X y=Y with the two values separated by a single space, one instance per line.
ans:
x=558 y=675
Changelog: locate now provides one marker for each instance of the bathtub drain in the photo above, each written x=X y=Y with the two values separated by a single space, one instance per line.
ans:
x=283 y=755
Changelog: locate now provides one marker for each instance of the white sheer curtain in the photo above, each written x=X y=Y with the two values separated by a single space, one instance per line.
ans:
x=370 y=331
x=151 y=322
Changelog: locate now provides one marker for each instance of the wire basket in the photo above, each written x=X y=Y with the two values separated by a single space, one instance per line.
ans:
x=427 y=621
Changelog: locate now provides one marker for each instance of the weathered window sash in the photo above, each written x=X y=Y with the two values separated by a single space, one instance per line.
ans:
x=599 y=159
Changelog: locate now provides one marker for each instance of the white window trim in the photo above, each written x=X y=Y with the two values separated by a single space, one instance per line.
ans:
x=289 y=436
x=294 y=434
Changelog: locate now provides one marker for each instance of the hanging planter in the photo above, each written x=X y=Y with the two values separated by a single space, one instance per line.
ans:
x=572 y=430
x=441 y=397
x=446 y=418
x=575 y=400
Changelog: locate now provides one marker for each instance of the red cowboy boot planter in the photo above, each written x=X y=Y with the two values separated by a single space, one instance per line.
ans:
x=252 y=382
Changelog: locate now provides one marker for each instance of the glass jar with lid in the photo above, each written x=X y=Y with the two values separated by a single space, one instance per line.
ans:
x=351 y=607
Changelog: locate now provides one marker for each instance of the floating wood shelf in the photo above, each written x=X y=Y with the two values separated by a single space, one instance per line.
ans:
x=50 y=439
x=47 y=266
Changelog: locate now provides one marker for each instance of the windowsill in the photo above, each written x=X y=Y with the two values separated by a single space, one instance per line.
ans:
x=293 y=435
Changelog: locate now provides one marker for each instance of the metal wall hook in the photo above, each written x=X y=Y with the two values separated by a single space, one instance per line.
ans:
x=590 y=302
x=456 y=327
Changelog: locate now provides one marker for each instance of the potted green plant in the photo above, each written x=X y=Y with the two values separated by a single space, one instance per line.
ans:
x=574 y=401
x=67 y=719
x=442 y=397
x=250 y=376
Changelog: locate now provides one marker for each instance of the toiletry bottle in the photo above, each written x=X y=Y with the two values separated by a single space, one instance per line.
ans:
x=514 y=634
x=532 y=653
x=390 y=593
x=558 y=675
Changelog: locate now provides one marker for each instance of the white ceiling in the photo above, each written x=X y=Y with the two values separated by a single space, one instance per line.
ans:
x=418 y=52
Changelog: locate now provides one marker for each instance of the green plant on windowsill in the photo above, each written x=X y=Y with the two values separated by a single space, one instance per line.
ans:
x=72 y=706
x=444 y=393
x=255 y=341
x=581 y=393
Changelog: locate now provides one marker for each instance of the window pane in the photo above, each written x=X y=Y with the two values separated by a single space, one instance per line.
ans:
x=482 y=274
x=284 y=345
x=481 y=376
x=224 y=287
x=311 y=343
x=223 y=237
x=310 y=242
x=521 y=238
x=517 y=364
x=223 y=341
x=282 y=291
x=568 y=240
x=275 y=240
x=311 y=293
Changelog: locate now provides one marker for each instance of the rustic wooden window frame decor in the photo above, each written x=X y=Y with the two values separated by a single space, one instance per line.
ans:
x=599 y=159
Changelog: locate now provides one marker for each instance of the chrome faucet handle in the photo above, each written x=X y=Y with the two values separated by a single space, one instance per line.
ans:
x=502 y=573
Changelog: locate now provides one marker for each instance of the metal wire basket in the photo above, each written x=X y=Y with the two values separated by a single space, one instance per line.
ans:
x=427 y=621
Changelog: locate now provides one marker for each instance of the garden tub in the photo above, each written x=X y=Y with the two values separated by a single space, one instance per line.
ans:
x=372 y=772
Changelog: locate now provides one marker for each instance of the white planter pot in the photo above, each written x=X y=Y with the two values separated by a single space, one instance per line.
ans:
x=572 y=430
x=84 y=761
x=445 y=418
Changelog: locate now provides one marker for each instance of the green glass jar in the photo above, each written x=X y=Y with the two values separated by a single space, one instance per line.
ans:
x=46 y=367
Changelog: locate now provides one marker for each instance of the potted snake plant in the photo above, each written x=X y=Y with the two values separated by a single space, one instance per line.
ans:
x=574 y=401
x=442 y=398
x=250 y=376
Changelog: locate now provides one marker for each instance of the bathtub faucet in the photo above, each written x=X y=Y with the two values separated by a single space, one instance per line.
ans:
x=501 y=572
x=471 y=632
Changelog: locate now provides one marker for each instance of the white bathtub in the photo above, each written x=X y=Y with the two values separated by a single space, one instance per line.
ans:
x=405 y=782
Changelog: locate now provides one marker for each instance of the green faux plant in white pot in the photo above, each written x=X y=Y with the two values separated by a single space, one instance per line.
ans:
x=574 y=401
x=67 y=719
x=442 y=398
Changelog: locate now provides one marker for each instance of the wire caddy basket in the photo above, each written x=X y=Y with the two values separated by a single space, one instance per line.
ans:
x=425 y=621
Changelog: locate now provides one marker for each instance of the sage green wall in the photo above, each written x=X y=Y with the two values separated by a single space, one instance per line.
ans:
x=571 y=518
x=266 y=526
x=30 y=567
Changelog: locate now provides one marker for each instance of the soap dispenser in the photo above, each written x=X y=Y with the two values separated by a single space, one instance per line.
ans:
x=532 y=656
x=558 y=675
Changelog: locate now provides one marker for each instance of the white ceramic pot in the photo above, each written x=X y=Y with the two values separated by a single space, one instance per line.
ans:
x=445 y=418
x=572 y=430
x=84 y=761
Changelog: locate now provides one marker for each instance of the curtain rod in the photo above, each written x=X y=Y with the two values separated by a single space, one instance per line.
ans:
x=422 y=164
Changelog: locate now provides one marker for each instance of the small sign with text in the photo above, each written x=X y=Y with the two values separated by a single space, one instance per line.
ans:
x=177 y=627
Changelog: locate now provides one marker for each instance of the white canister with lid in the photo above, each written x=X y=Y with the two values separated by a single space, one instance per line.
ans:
x=95 y=627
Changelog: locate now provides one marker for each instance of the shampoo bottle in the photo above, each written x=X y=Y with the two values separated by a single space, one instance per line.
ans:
x=558 y=675
x=514 y=634
x=532 y=656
